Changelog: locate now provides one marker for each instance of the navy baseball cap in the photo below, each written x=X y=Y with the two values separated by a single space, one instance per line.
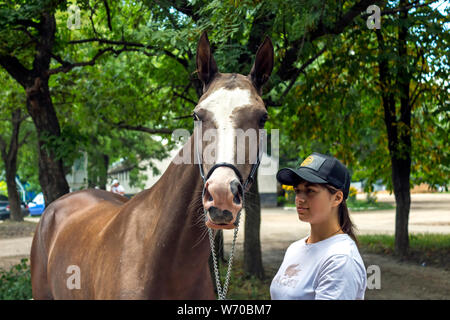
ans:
x=318 y=168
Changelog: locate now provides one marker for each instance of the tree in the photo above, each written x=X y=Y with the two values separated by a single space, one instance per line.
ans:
x=402 y=79
x=381 y=96
x=32 y=43
x=11 y=139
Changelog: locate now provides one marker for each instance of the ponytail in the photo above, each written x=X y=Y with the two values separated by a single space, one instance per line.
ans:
x=345 y=222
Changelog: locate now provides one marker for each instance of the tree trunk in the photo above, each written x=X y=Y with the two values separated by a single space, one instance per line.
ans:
x=40 y=107
x=401 y=162
x=51 y=172
x=400 y=174
x=398 y=129
x=9 y=156
x=104 y=176
x=252 y=245
x=15 y=213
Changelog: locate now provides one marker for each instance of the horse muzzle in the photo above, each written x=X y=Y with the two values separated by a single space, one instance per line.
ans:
x=222 y=199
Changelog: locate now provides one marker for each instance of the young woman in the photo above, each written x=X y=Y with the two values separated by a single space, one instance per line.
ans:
x=326 y=264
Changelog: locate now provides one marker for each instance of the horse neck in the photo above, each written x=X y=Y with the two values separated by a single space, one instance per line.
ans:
x=181 y=220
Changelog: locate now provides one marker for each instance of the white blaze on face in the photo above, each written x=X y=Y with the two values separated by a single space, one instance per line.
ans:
x=222 y=103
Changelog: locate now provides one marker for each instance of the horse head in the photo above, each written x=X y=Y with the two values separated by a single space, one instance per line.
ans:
x=228 y=119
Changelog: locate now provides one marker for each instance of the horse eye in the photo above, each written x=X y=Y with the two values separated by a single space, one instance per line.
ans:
x=263 y=120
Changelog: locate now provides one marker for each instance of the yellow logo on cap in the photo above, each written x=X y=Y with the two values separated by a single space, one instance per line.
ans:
x=307 y=161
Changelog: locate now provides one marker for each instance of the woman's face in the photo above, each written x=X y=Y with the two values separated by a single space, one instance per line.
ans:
x=314 y=202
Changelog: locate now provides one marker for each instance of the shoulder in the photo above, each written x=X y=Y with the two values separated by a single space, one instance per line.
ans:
x=343 y=252
x=341 y=244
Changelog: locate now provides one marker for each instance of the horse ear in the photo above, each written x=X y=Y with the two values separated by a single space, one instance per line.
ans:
x=206 y=65
x=262 y=68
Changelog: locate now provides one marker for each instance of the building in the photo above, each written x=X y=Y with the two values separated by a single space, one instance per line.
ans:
x=267 y=182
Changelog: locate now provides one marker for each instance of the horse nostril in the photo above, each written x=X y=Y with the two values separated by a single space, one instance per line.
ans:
x=236 y=190
x=219 y=216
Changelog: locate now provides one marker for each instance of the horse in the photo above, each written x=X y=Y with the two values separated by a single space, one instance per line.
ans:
x=154 y=245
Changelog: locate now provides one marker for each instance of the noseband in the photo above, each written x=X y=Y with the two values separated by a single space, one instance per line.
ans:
x=250 y=178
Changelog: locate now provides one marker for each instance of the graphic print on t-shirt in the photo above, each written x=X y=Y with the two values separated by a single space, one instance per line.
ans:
x=287 y=279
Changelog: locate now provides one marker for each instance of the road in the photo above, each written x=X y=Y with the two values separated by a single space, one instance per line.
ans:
x=429 y=213
x=280 y=227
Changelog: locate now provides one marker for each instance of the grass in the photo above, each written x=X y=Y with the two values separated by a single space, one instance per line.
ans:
x=425 y=248
x=361 y=205
x=242 y=287
x=428 y=248
x=364 y=205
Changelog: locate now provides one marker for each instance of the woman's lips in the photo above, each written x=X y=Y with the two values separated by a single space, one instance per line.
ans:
x=301 y=210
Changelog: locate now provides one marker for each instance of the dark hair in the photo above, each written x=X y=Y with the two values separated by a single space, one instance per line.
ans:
x=345 y=222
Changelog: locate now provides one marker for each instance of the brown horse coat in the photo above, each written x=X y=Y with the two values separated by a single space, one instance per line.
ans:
x=115 y=247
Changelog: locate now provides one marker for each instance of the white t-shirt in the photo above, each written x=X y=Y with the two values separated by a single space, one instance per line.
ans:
x=119 y=189
x=326 y=270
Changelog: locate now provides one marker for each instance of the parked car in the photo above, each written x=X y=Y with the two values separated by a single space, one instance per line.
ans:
x=37 y=205
x=5 y=208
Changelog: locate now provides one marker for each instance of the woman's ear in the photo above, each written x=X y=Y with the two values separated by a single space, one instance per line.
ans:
x=338 y=198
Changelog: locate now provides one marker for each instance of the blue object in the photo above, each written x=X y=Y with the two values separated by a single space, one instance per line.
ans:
x=37 y=205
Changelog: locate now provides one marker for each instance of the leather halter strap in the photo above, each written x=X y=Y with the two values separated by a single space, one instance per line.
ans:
x=250 y=178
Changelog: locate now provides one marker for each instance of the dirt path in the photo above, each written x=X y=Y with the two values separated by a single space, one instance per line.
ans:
x=279 y=228
x=399 y=280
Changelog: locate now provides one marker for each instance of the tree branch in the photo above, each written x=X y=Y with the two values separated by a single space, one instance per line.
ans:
x=15 y=68
x=25 y=138
x=294 y=79
x=28 y=23
x=287 y=70
x=67 y=66
x=144 y=129
x=182 y=61
x=108 y=14
x=185 y=7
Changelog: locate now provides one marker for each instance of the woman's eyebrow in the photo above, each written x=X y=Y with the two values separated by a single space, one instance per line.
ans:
x=307 y=185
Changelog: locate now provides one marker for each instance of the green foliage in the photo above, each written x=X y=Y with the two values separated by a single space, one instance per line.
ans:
x=15 y=284
x=333 y=107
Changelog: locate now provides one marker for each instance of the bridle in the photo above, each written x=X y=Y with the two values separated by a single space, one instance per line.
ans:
x=221 y=292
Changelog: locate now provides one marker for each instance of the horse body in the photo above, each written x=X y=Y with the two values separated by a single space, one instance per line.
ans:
x=112 y=235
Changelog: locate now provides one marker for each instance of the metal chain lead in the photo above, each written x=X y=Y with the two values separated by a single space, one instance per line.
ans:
x=222 y=292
